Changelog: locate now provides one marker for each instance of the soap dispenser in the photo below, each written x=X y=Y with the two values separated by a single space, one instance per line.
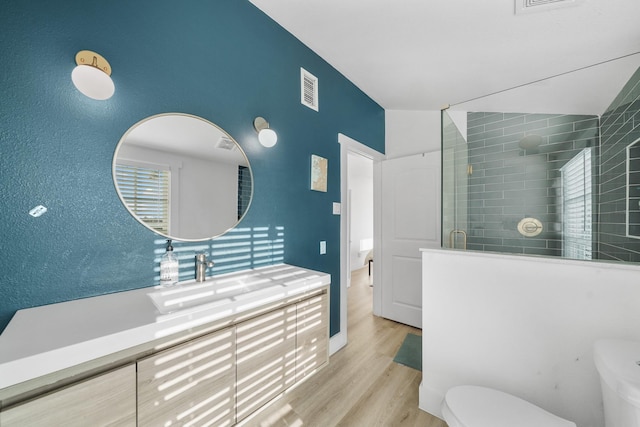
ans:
x=169 y=267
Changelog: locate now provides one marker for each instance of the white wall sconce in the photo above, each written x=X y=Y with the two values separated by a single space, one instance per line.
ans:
x=267 y=137
x=92 y=75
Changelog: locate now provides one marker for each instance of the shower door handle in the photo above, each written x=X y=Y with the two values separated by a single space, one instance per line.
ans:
x=452 y=238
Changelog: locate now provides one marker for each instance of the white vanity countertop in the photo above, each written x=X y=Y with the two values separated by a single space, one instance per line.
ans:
x=42 y=340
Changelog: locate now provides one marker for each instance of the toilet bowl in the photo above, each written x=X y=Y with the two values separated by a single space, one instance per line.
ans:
x=618 y=363
x=474 y=406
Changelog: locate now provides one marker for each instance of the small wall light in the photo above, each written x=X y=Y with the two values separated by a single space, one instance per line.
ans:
x=92 y=76
x=267 y=137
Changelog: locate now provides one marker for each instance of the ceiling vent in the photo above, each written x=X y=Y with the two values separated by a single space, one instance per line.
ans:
x=528 y=6
x=225 y=143
x=308 y=89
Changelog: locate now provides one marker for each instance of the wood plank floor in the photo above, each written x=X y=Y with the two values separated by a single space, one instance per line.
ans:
x=362 y=386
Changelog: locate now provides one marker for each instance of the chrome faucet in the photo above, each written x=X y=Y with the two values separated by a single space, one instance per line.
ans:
x=201 y=267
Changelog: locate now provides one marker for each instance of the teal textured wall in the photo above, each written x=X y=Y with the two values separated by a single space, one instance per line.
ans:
x=223 y=60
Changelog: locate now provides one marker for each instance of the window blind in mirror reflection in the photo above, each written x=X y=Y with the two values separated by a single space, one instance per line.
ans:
x=146 y=193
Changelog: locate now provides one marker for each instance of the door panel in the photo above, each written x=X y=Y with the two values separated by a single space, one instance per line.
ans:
x=410 y=221
x=409 y=296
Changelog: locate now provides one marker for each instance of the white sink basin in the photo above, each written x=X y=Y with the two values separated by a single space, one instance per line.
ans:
x=215 y=292
x=242 y=287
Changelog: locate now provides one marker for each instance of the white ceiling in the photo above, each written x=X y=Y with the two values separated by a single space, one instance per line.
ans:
x=425 y=54
x=185 y=135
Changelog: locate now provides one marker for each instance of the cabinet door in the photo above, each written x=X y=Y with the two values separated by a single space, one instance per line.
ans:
x=192 y=384
x=312 y=345
x=106 y=400
x=265 y=358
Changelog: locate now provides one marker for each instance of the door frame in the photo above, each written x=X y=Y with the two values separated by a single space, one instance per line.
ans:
x=350 y=145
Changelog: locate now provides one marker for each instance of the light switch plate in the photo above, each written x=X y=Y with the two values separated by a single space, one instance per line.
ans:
x=323 y=247
x=336 y=208
x=38 y=211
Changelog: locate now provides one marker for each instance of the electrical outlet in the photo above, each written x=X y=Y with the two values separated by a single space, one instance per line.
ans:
x=323 y=247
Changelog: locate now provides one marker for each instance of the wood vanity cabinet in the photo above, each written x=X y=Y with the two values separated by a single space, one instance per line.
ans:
x=191 y=384
x=221 y=378
x=266 y=358
x=106 y=400
x=216 y=379
x=312 y=345
x=278 y=349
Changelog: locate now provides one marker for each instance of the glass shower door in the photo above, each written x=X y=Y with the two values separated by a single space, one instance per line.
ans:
x=455 y=172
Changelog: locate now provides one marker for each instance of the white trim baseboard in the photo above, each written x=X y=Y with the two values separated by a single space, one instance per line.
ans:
x=430 y=401
x=337 y=342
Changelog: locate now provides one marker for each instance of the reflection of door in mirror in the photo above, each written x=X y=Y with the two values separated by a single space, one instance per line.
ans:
x=185 y=172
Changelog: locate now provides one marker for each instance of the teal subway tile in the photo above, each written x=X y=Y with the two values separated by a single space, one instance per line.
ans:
x=564 y=119
x=494 y=164
x=562 y=129
x=503 y=249
x=527 y=242
x=540 y=251
x=484 y=136
x=500 y=140
x=505 y=186
x=539 y=117
x=514 y=121
x=488 y=118
x=504 y=202
x=588 y=123
x=475 y=130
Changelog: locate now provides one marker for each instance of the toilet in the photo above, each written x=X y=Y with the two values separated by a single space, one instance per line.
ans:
x=475 y=406
x=618 y=363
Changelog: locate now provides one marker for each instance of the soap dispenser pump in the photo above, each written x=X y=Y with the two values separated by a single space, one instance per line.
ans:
x=169 y=267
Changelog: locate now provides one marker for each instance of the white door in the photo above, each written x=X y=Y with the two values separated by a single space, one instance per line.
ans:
x=410 y=221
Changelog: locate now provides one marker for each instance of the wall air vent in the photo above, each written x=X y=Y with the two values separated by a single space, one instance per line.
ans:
x=225 y=143
x=308 y=89
x=528 y=6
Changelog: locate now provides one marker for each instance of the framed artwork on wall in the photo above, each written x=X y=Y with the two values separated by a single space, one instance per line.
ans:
x=319 y=173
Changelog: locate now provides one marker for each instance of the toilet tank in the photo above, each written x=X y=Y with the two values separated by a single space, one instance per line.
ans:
x=618 y=363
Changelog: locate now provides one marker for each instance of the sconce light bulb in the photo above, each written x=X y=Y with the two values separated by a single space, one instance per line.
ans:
x=92 y=76
x=93 y=82
x=268 y=137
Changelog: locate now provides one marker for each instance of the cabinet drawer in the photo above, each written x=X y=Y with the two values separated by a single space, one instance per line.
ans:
x=106 y=400
x=191 y=384
x=265 y=358
x=312 y=346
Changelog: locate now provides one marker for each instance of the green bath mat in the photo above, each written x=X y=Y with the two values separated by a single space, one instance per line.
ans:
x=410 y=352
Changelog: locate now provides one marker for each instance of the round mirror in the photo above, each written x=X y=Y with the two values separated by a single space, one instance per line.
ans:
x=182 y=176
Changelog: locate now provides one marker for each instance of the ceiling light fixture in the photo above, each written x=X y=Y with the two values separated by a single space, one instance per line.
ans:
x=267 y=137
x=92 y=75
